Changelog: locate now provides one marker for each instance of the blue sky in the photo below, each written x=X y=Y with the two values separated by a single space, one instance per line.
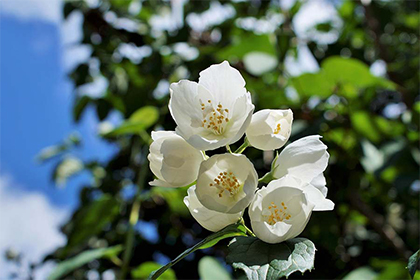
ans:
x=36 y=100
x=36 y=104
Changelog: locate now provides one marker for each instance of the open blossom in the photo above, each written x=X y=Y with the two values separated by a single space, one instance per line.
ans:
x=306 y=159
x=270 y=129
x=209 y=219
x=173 y=161
x=280 y=211
x=226 y=183
x=213 y=112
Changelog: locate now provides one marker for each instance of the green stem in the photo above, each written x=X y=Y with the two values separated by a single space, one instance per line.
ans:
x=266 y=178
x=229 y=231
x=242 y=148
x=228 y=149
x=248 y=231
x=134 y=217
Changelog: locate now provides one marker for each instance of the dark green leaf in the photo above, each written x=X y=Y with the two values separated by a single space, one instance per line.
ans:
x=91 y=219
x=413 y=263
x=80 y=106
x=83 y=258
x=260 y=260
x=230 y=231
x=246 y=44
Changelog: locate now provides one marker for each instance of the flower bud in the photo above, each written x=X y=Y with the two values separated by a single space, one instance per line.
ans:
x=173 y=161
x=270 y=129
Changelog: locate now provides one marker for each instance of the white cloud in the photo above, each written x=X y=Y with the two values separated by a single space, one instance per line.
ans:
x=29 y=225
x=46 y=10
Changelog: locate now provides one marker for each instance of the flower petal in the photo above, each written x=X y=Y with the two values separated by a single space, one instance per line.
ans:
x=223 y=81
x=235 y=191
x=305 y=159
x=318 y=199
x=211 y=220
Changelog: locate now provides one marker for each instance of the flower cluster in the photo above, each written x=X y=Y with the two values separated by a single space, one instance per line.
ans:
x=215 y=112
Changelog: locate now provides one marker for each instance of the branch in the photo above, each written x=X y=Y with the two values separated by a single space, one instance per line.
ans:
x=379 y=225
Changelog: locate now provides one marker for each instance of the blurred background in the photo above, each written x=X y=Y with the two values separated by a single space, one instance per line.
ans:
x=84 y=83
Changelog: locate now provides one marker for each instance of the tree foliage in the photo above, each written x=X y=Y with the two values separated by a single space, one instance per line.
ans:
x=374 y=155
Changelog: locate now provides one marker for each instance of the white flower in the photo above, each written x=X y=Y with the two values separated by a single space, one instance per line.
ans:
x=209 y=219
x=213 y=112
x=173 y=161
x=306 y=159
x=270 y=129
x=280 y=211
x=226 y=183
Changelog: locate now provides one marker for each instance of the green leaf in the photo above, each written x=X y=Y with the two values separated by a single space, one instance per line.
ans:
x=65 y=267
x=91 y=219
x=174 y=197
x=73 y=140
x=230 y=231
x=363 y=124
x=209 y=268
x=144 y=270
x=140 y=120
x=413 y=263
x=348 y=70
x=260 y=260
x=392 y=270
x=365 y=273
x=310 y=84
x=66 y=168
x=80 y=106
x=246 y=43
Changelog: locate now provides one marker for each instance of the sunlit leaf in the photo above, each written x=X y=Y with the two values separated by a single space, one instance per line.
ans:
x=258 y=63
x=310 y=84
x=83 y=258
x=347 y=70
x=210 y=268
x=143 y=271
x=260 y=260
x=140 y=120
x=363 y=124
x=66 y=168
x=373 y=158
x=365 y=273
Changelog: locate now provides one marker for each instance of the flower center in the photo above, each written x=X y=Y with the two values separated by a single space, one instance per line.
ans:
x=226 y=181
x=277 y=129
x=214 y=119
x=276 y=214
